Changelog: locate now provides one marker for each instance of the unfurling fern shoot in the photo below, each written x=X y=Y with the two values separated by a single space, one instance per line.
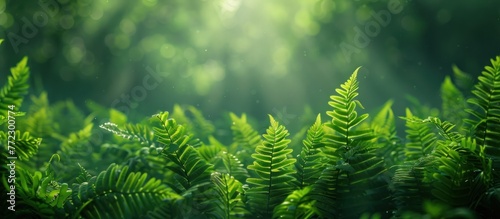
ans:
x=273 y=168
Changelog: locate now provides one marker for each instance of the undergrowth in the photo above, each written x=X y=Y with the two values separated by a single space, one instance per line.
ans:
x=346 y=164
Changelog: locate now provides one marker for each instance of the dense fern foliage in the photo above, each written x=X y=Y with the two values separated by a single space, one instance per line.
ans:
x=444 y=164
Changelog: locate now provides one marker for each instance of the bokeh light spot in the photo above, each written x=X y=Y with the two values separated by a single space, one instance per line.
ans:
x=149 y=3
x=167 y=51
x=66 y=22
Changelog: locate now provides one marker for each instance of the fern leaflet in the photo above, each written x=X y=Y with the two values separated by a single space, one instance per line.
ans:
x=17 y=86
x=272 y=167
x=310 y=161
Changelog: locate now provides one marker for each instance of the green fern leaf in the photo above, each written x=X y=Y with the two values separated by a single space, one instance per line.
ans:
x=138 y=132
x=420 y=141
x=245 y=138
x=445 y=129
x=411 y=185
x=17 y=86
x=117 y=193
x=228 y=199
x=272 y=167
x=192 y=171
x=232 y=166
x=326 y=192
x=464 y=80
x=24 y=146
x=310 y=161
x=454 y=104
x=297 y=205
x=486 y=118
x=384 y=128
x=344 y=115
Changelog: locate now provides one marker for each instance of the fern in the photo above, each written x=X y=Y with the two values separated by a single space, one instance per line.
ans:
x=17 y=86
x=191 y=170
x=25 y=146
x=326 y=192
x=463 y=80
x=272 y=167
x=344 y=116
x=357 y=168
x=139 y=133
x=384 y=128
x=117 y=193
x=445 y=129
x=310 y=161
x=411 y=185
x=420 y=141
x=232 y=166
x=245 y=138
x=297 y=205
x=228 y=198
x=486 y=118
x=454 y=104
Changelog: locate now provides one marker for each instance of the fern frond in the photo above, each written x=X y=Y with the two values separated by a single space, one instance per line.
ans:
x=171 y=134
x=24 y=146
x=325 y=192
x=272 y=167
x=184 y=160
x=420 y=140
x=384 y=128
x=210 y=153
x=232 y=166
x=138 y=132
x=453 y=103
x=464 y=80
x=38 y=193
x=310 y=161
x=228 y=197
x=445 y=129
x=297 y=205
x=245 y=138
x=202 y=127
x=117 y=193
x=17 y=86
x=411 y=185
x=77 y=145
x=40 y=120
x=452 y=183
x=486 y=118
x=344 y=115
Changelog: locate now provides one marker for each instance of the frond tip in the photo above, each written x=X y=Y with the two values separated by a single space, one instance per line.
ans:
x=17 y=86
x=344 y=115
x=272 y=166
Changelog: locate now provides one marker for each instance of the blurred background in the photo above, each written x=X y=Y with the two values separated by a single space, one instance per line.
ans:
x=260 y=57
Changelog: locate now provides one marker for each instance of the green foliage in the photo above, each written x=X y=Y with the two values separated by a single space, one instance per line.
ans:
x=356 y=166
x=117 y=193
x=176 y=146
x=310 y=161
x=245 y=138
x=348 y=167
x=17 y=86
x=420 y=141
x=454 y=104
x=296 y=205
x=344 y=116
x=272 y=166
x=486 y=115
x=228 y=201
